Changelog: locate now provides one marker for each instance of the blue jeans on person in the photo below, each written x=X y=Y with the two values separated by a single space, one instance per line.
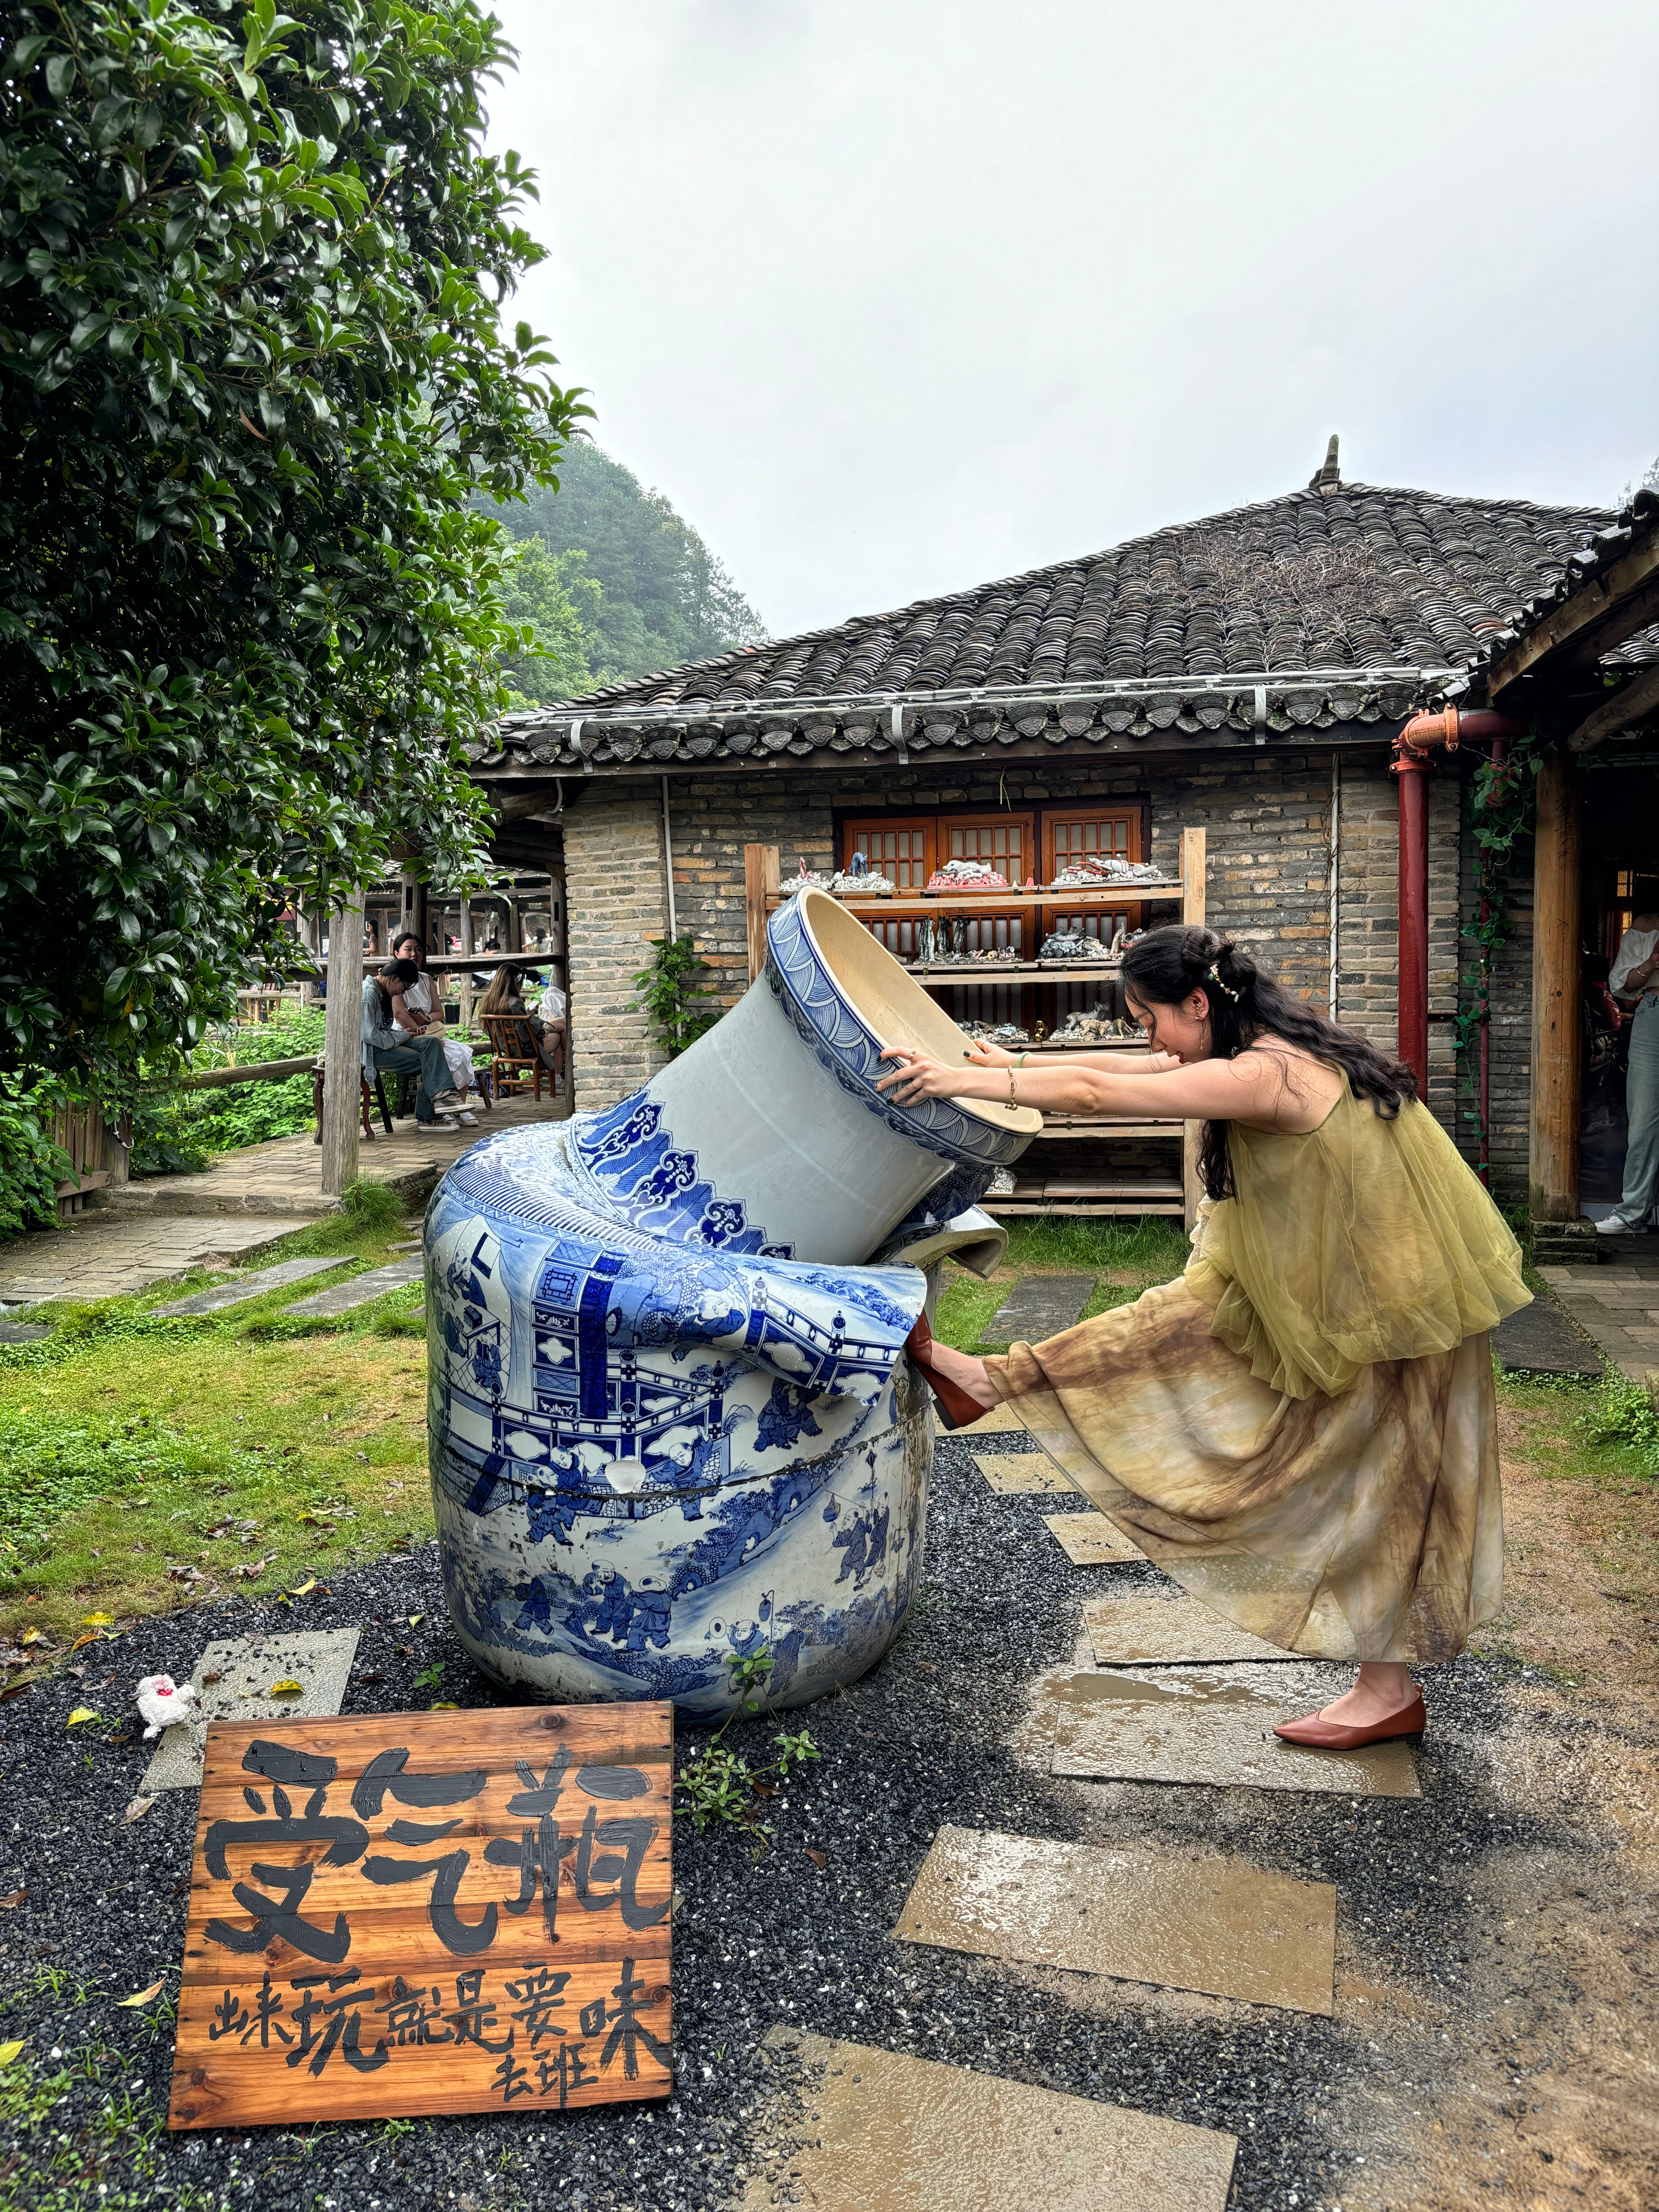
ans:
x=425 y=1054
x=1642 y=1106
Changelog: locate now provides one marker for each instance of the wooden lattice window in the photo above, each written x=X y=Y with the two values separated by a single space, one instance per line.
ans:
x=1071 y=838
x=902 y=850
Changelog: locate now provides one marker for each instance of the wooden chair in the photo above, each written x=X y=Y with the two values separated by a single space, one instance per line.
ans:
x=515 y=1059
x=377 y=1097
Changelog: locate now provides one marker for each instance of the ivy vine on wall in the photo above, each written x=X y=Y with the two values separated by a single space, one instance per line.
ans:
x=1501 y=796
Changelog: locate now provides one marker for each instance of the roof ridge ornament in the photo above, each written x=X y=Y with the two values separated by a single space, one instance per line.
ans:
x=1329 y=478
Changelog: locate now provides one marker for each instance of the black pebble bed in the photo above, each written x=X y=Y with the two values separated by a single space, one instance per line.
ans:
x=758 y=1942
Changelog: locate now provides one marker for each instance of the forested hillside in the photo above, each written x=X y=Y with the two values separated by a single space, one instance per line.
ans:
x=615 y=582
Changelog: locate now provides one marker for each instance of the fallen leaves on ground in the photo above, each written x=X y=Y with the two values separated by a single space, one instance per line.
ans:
x=288 y=1688
x=250 y=1570
x=9 y=2051
x=138 y=1808
x=97 y=1621
x=820 y=1859
x=83 y=1713
x=141 y=1997
x=7 y=1904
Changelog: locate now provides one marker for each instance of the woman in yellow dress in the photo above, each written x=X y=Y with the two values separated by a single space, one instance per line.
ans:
x=1302 y=1428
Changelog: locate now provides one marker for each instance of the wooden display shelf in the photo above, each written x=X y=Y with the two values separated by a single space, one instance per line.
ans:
x=1086 y=1195
x=999 y=971
x=1122 y=1194
x=1084 y=1125
x=917 y=903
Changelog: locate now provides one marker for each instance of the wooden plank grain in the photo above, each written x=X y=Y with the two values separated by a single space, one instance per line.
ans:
x=409 y=1913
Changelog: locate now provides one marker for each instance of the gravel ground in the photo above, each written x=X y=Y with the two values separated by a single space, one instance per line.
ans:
x=925 y=1740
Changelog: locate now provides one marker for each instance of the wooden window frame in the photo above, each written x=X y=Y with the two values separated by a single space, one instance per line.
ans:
x=950 y=818
x=1132 y=810
x=878 y=824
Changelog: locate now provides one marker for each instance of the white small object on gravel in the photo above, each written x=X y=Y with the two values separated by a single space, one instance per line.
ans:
x=164 y=1703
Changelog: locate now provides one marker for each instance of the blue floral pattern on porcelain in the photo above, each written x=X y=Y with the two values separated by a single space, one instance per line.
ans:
x=658 y=1440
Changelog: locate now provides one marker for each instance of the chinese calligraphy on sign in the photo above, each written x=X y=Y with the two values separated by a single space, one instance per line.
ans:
x=414 y=1913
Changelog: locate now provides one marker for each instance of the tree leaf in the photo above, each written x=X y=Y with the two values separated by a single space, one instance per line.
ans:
x=142 y=1997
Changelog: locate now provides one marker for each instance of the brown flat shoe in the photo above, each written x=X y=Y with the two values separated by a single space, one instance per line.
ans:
x=956 y=1408
x=1331 y=1735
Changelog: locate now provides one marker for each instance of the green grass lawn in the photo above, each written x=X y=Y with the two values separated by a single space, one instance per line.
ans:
x=138 y=1453
x=135 y=1449
x=1124 y=1256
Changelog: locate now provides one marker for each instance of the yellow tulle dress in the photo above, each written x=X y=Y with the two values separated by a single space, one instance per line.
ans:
x=1302 y=1428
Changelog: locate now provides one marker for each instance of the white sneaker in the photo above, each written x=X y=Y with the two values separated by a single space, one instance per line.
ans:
x=468 y=1120
x=1614 y=1226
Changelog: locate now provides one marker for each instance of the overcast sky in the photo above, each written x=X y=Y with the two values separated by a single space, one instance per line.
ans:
x=895 y=296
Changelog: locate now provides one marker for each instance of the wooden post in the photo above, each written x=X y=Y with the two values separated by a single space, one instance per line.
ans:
x=1553 y=1148
x=514 y=924
x=343 y=1045
x=1193 y=864
x=558 y=942
x=761 y=877
x=414 y=914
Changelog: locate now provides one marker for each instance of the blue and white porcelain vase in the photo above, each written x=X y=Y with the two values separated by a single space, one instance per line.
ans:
x=670 y=1421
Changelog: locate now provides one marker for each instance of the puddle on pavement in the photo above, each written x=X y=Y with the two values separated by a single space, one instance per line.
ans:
x=1088 y=1539
x=890 y=2133
x=1214 y=1925
x=1144 y=1630
x=1022 y=1473
x=1212 y=1724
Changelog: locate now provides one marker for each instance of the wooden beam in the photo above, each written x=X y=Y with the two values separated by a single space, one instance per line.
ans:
x=1193 y=908
x=1552 y=1149
x=342 y=1048
x=1590 y=622
x=761 y=877
x=1618 y=711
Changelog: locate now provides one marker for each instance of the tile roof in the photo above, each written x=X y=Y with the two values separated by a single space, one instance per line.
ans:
x=1346 y=603
x=1604 y=547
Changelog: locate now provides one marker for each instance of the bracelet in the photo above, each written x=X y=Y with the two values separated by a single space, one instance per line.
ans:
x=1013 y=1097
x=1020 y=1062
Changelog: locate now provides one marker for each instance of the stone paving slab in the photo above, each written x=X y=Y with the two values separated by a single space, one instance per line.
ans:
x=282 y=1175
x=892 y=2133
x=1039 y=1306
x=116 y=1257
x=344 y=1298
x=246 y=1667
x=1540 y=1340
x=1214 y=1724
x=1023 y=1474
x=1212 y=1925
x=252 y=1287
x=23 y=1332
x=1090 y=1539
x=1141 y=1629
x=1000 y=1421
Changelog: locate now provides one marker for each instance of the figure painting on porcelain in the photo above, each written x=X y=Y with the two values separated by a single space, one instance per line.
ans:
x=670 y=1419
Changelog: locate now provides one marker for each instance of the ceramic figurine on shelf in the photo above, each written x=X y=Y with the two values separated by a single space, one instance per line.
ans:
x=670 y=1417
x=966 y=876
x=856 y=880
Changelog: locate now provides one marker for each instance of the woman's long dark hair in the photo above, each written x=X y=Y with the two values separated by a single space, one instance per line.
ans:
x=405 y=972
x=1168 y=965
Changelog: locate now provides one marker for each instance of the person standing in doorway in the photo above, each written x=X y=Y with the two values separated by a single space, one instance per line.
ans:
x=1633 y=979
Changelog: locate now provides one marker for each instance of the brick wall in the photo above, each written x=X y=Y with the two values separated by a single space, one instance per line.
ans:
x=614 y=886
x=1266 y=813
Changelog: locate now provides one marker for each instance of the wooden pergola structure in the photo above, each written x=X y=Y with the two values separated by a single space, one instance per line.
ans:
x=1552 y=669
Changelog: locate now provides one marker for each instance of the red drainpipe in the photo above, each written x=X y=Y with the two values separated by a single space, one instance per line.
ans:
x=1423 y=736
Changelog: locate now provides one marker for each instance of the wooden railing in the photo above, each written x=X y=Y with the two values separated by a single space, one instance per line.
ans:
x=97 y=1152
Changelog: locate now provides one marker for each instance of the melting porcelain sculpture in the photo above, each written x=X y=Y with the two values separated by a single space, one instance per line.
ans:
x=671 y=1419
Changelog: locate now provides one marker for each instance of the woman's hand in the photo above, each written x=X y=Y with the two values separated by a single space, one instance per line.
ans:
x=1159 y=1063
x=921 y=1076
x=983 y=1053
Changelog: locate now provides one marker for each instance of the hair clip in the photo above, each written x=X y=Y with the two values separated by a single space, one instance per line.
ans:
x=1216 y=979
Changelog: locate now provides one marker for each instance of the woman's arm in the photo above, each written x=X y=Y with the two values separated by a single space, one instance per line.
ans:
x=1251 y=1088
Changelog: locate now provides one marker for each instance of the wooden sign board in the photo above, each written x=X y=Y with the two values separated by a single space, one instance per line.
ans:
x=411 y=1913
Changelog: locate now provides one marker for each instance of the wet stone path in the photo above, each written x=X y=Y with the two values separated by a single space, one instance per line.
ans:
x=1393 y=2054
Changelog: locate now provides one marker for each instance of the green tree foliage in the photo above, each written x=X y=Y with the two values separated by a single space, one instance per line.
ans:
x=664 y=597
x=253 y=377
x=551 y=596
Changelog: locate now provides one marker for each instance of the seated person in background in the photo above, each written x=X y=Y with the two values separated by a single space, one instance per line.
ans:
x=387 y=1048
x=554 y=1027
x=416 y=1011
x=506 y=996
